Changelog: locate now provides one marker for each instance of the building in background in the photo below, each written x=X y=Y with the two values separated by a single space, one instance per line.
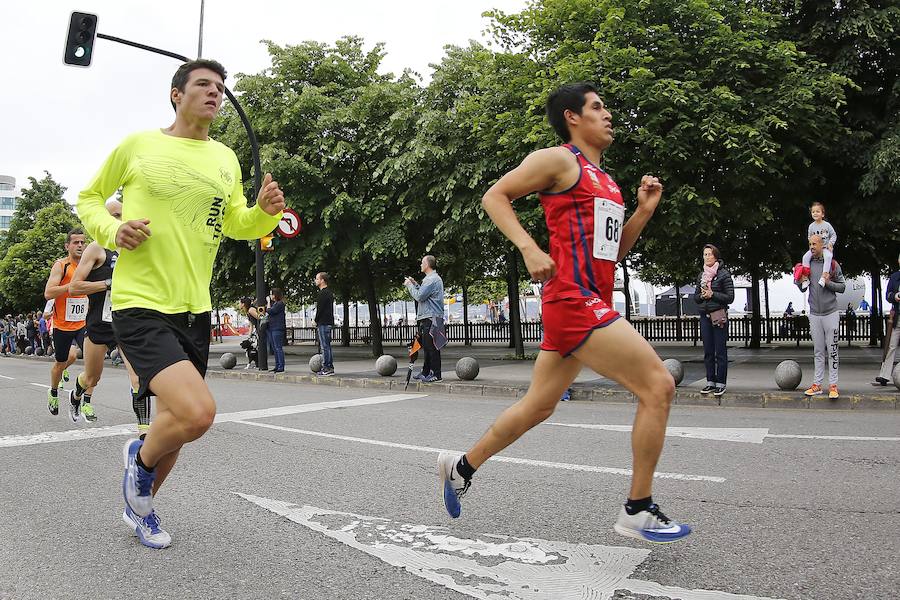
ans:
x=7 y=200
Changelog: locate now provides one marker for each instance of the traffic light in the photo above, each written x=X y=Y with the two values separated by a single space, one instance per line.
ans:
x=267 y=243
x=80 y=39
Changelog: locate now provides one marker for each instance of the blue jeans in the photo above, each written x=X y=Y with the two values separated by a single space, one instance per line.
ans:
x=715 y=352
x=324 y=333
x=275 y=338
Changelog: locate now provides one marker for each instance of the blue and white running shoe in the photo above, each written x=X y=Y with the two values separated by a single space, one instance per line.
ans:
x=650 y=526
x=147 y=529
x=453 y=486
x=137 y=484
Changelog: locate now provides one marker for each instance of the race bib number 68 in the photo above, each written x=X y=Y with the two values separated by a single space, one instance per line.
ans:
x=609 y=217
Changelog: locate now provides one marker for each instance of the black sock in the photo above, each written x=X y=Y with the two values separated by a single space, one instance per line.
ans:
x=633 y=507
x=141 y=464
x=54 y=392
x=464 y=468
x=86 y=399
x=78 y=389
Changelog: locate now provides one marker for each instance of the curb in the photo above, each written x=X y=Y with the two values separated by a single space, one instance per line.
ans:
x=763 y=399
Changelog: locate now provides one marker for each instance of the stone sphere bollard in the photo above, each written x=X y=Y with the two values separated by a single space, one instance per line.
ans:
x=674 y=366
x=39 y=351
x=228 y=360
x=788 y=374
x=386 y=365
x=315 y=363
x=896 y=376
x=467 y=368
x=29 y=350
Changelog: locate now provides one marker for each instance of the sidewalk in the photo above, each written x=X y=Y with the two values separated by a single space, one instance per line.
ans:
x=750 y=374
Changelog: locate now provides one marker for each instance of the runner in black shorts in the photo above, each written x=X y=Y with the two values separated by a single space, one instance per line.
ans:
x=68 y=315
x=93 y=277
x=182 y=193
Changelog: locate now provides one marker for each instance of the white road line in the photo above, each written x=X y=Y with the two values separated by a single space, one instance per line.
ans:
x=850 y=438
x=47 y=387
x=508 y=459
x=10 y=441
x=490 y=566
x=5 y=377
x=750 y=435
x=278 y=411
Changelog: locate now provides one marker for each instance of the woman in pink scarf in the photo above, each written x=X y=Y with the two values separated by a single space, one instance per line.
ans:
x=714 y=293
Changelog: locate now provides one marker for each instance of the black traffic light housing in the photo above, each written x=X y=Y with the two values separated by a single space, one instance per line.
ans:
x=80 y=40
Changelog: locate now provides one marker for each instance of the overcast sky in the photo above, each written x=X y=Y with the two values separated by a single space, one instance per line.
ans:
x=66 y=119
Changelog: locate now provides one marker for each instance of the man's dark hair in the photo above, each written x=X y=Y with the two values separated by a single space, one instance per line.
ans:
x=324 y=277
x=181 y=76
x=715 y=251
x=568 y=97
x=277 y=293
x=75 y=231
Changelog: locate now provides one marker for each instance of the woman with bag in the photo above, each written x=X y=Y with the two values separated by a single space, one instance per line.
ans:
x=715 y=292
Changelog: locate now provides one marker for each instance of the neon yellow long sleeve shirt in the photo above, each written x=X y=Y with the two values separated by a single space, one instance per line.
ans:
x=191 y=192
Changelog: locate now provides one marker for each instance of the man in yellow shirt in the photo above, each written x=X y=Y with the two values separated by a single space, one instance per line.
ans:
x=182 y=192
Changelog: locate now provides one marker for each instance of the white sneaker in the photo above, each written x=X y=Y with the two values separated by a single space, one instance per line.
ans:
x=147 y=529
x=453 y=485
x=650 y=526
x=74 y=408
x=137 y=484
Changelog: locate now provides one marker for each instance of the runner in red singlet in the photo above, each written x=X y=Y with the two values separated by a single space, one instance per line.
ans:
x=585 y=216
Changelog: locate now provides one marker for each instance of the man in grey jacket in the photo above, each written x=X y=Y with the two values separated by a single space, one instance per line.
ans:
x=824 y=318
x=429 y=313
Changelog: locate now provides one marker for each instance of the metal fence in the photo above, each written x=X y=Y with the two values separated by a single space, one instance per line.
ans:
x=654 y=329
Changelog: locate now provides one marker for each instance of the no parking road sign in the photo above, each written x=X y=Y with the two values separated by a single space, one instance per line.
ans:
x=290 y=224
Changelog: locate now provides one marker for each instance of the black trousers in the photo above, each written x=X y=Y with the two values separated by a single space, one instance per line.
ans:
x=432 y=362
x=715 y=350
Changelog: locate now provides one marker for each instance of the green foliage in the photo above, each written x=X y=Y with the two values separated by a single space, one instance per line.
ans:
x=26 y=266
x=40 y=194
x=705 y=97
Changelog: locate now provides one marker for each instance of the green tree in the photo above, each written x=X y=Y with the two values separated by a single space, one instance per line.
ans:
x=708 y=96
x=328 y=124
x=26 y=266
x=40 y=194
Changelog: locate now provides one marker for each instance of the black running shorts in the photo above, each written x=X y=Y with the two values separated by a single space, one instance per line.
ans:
x=62 y=341
x=101 y=334
x=153 y=341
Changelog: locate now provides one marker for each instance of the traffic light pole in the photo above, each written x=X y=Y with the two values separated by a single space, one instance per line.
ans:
x=262 y=349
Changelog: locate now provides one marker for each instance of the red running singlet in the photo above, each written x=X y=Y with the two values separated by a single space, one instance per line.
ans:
x=585 y=224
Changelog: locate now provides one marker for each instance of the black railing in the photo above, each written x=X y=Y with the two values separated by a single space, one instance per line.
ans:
x=654 y=329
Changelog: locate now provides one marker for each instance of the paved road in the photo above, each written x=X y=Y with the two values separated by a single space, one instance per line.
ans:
x=340 y=501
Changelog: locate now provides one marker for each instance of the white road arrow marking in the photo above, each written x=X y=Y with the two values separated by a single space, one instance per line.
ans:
x=47 y=437
x=491 y=567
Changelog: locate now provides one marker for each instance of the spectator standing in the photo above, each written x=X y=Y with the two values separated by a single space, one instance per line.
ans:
x=714 y=293
x=824 y=318
x=276 y=328
x=892 y=337
x=325 y=323
x=429 y=316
